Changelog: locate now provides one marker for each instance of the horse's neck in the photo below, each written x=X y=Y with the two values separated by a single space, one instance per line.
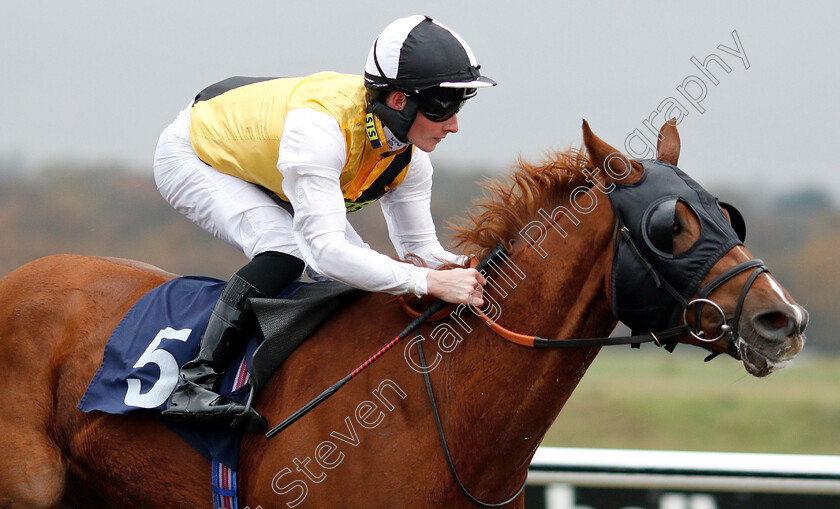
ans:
x=508 y=395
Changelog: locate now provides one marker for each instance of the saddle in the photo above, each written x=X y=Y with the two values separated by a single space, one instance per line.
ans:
x=287 y=322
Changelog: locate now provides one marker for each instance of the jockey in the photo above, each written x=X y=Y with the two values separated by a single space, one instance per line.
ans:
x=273 y=166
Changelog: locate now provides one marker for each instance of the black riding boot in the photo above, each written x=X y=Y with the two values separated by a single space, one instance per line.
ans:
x=196 y=400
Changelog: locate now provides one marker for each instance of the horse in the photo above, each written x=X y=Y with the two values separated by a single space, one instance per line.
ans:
x=375 y=443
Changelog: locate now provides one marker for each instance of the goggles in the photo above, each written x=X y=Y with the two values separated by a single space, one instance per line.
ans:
x=441 y=110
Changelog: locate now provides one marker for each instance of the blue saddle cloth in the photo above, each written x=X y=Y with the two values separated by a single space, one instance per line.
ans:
x=143 y=356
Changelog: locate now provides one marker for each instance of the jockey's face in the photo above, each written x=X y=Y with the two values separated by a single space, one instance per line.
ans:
x=425 y=134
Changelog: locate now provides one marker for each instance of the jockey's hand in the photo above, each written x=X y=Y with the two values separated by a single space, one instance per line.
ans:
x=457 y=286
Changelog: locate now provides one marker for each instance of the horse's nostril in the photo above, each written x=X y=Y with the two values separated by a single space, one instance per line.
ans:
x=776 y=320
x=775 y=323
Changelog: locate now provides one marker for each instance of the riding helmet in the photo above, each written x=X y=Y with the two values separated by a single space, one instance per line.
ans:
x=427 y=61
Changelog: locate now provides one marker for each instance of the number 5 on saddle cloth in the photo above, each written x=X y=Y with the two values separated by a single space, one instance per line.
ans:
x=162 y=331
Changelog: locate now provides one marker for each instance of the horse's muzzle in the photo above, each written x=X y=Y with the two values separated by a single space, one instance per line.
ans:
x=771 y=338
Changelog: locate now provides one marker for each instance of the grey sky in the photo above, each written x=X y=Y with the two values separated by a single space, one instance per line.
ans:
x=98 y=81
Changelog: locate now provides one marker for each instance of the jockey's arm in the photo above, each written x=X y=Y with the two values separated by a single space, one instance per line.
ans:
x=312 y=154
x=407 y=211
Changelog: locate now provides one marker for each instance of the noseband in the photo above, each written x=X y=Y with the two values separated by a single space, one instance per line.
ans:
x=727 y=327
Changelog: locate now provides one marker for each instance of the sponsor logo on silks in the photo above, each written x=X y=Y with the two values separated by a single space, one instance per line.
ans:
x=370 y=128
x=353 y=206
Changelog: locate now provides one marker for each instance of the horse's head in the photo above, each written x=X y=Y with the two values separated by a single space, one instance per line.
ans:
x=679 y=261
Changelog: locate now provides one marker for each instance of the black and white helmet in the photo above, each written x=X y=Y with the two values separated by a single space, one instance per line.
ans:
x=420 y=56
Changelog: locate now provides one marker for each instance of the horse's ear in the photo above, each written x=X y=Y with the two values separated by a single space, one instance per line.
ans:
x=618 y=167
x=668 y=146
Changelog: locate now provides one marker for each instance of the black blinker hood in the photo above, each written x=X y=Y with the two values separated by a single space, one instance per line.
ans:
x=638 y=298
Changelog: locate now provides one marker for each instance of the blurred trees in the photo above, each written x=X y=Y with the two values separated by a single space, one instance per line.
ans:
x=109 y=211
x=103 y=212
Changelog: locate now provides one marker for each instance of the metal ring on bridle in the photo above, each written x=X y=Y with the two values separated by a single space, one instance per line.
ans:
x=724 y=328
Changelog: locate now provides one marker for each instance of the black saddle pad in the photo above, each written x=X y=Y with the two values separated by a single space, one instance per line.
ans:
x=287 y=322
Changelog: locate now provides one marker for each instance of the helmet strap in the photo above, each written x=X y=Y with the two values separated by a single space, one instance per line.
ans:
x=398 y=121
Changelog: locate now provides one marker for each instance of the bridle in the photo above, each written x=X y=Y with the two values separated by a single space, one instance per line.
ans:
x=667 y=337
x=728 y=327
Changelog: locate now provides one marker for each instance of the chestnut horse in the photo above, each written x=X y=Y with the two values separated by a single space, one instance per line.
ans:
x=375 y=443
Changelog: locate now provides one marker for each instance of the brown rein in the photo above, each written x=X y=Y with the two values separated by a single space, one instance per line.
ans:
x=661 y=338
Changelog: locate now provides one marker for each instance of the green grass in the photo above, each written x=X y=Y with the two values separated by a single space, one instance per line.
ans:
x=655 y=400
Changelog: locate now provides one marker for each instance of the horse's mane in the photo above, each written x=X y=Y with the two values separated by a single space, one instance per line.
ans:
x=509 y=203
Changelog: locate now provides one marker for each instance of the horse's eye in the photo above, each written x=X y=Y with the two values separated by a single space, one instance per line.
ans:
x=660 y=226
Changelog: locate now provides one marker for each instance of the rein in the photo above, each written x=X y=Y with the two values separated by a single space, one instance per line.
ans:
x=445 y=446
x=664 y=337
x=667 y=338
